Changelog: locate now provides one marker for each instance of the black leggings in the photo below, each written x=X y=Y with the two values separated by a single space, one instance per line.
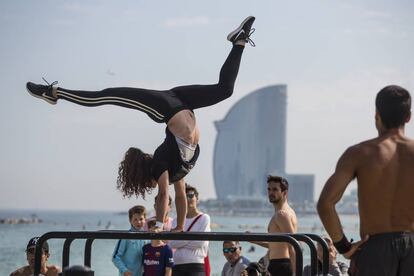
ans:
x=161 y=105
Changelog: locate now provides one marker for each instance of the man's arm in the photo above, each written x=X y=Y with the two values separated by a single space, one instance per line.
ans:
x=162 y=197
x=180 y=204
x=332 y=192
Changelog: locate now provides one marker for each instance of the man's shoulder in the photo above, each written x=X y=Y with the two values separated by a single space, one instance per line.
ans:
x=283 y=215
x=240 y=266
x=53 y=270
x=366 y=146
x=23 y=271
x=244 y=260
x=226 y=267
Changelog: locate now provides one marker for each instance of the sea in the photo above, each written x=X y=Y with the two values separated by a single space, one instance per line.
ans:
x=14 y=237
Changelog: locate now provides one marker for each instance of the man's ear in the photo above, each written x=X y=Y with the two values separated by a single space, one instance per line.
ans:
x=377 y=116
x=408 y=117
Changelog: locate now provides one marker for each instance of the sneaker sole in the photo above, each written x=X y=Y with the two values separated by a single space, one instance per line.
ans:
x=40 y=97
x=230 y=35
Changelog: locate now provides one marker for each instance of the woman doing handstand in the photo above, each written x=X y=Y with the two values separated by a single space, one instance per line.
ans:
x=140 y=172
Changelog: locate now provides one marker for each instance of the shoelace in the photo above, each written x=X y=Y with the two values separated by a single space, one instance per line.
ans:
x=50 y=84
x=248 y=39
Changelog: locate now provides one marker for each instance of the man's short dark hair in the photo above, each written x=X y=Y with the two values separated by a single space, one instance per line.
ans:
x=236 y=243
x=138 y=209
x=189 y=188
x=284 y=185
x=393 y=104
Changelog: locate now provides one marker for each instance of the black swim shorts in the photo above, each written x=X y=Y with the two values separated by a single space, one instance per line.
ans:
x=387 y=254
x=280 y=267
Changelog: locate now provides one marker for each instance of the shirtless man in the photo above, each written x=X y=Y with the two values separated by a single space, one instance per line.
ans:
x=45 y=269
x=384 y=170
x=281 y=255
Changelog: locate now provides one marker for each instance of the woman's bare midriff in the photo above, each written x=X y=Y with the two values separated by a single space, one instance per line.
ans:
x=183 y=125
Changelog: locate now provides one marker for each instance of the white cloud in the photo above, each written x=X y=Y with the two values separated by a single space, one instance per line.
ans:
x=186 y=21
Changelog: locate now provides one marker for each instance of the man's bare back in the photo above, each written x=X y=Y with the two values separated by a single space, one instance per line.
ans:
x=384 y=170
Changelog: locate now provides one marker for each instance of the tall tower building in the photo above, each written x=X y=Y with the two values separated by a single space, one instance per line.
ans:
x=251 y=143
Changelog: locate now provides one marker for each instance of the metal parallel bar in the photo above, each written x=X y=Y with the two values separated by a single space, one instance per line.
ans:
x=325 y=252
x=313 y=253
x=88 y=250
x=203 y=236
x=66 y=252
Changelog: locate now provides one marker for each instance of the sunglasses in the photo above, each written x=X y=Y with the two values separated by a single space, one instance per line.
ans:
x=190 y=196
x=229 y=250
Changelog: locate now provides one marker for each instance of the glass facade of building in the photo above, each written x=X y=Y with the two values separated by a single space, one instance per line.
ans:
x=251 y=143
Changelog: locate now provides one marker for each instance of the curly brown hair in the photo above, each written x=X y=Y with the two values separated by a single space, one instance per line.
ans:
x=134 y=174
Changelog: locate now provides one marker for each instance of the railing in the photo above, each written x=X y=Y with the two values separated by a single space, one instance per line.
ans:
x=90 y=236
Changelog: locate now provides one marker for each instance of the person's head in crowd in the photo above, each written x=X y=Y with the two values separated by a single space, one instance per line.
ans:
x=232 y=251
x=277 y=189
x=137 y=216
x=192 y=196
x=45 y=268
x=30 y=252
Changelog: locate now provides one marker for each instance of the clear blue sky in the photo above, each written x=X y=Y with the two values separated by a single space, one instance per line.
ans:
x=333 y=55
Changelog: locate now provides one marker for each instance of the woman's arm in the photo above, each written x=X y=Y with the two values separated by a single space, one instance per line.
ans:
x=180 y=204
x=162 y=197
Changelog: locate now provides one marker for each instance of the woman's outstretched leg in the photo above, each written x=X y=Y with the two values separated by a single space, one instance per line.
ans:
x=150 y=102
x=156 y=104
x=159 y=105
x=197 y=96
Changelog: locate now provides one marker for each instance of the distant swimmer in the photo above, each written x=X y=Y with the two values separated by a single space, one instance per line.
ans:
x=140 y=172
x=281 y=255
x=384 y=170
